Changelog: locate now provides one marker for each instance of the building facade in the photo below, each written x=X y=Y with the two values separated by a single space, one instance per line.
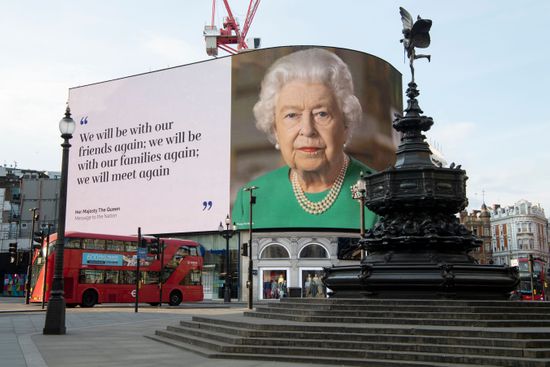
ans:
x=479 y=222
x=20 y=191
x=517 y=231
x=292 y=264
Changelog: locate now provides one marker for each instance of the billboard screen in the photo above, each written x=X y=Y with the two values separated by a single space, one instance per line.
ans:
x=172 y=150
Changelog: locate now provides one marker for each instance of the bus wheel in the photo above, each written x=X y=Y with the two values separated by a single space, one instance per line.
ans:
x=89 y=298
x=175 y=298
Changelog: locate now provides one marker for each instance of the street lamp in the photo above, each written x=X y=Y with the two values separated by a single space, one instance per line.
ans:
x=227 y=233
x=249 y=252
x=55 y=314
x=359 y=192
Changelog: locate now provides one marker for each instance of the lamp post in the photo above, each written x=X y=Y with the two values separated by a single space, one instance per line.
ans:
x=250 y=265
x=35 y=217
x=55 y=314
x=358 y=192
x=227 y=233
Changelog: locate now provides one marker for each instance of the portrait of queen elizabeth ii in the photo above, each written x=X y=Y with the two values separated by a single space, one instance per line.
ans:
x=308 y=110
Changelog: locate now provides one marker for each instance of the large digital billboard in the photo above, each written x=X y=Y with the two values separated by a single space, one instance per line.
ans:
x=172 y=150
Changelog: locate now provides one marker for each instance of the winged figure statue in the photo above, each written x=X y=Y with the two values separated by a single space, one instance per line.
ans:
x=415 y=35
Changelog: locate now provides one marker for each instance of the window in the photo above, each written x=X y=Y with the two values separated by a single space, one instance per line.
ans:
x=93 y=244
x=111 y=277
x=150 y=277
x=275 y=252
x=73 y=243
x=130 y=246
x=128 y=276
x=117 y=246
x=192 y=278
x=313 y=251
x=90 y=276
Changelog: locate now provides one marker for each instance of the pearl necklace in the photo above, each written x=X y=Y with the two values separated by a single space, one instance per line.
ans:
x=322 y=206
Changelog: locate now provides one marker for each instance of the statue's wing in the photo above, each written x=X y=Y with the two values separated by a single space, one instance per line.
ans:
x=420 y=33
x=406 y=18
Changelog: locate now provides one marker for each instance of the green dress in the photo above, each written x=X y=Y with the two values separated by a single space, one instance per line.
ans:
x=276 y=206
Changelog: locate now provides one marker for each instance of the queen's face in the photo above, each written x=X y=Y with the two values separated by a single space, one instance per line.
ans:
x=309 y=127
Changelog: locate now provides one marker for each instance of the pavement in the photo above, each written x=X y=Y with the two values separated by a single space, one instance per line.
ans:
x=105 y=336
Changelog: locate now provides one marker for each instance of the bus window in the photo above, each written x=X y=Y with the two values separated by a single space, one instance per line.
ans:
x=111 y=277
x=91 y=244
x=182 y=252
x=192 y=278
x=73 y=243
x=88 y=276
x=128 y=277
x=130 y=246
x=168 y=270
x=150 y=277
x=115 y=245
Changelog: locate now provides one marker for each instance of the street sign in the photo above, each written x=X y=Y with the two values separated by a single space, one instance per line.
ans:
x=142 y=253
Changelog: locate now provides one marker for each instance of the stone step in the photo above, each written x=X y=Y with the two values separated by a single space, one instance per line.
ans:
x=318 y=361
x=278 y=325
x=409 y=308
x=415 y=302
x=370 y=335
x=463 y=314
x=413 y=344
x=335 y=354
x=335 y=318
x=374 y=333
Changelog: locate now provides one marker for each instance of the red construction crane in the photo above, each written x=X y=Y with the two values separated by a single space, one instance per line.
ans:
x=230 y=33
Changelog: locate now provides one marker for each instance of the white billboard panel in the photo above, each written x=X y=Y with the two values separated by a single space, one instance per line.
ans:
x=152 y=151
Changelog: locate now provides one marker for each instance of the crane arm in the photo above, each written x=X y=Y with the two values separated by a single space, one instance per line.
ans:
x=252 y=7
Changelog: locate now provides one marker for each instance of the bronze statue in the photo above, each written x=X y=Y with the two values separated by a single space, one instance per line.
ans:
x=416 y=34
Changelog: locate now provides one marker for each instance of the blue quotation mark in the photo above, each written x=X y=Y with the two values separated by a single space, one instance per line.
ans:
x=206 y=205
x=84 y=120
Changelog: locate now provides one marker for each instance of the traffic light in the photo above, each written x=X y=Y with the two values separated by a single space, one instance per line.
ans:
x=244 y=249
x=38 y=238
x=13 y=252
x=154 y=247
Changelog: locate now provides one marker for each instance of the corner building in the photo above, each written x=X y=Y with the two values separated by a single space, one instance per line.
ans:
x=518 y=231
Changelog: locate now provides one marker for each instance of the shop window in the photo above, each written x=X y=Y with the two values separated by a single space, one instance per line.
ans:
x=274 y=283
x=312 y=286
x=314 y=251
x=275 y=252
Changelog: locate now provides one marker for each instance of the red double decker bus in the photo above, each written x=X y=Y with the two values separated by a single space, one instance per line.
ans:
x=538 y=290
x=100 y=268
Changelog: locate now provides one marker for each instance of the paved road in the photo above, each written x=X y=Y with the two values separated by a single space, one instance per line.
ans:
x=104 y=336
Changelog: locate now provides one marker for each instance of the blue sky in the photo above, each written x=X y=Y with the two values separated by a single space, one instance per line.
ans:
x=486 y=86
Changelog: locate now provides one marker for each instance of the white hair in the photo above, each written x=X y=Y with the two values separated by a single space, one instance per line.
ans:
x=314 y=65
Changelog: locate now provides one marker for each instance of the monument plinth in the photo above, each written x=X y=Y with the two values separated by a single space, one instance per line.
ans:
x=418 y=248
